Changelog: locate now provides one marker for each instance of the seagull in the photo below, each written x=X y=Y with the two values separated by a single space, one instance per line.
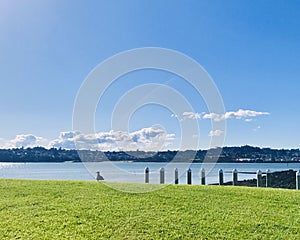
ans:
x=99 y=177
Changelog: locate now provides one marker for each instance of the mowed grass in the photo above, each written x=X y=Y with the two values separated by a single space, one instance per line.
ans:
x=91 y=210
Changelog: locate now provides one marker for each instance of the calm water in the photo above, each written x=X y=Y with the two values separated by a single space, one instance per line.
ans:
x=132 y=172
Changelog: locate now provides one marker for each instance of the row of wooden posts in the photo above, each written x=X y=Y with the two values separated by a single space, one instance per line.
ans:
x=221 y=177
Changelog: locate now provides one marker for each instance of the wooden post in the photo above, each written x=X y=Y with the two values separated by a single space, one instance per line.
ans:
x=202 y=172
x=268 y=178
x=298 y=180
x=146 y=175
x=259 y=178
x=189 y=176
x=221 y=177
x=234 y=177
x=176 y=176
x=162 y=175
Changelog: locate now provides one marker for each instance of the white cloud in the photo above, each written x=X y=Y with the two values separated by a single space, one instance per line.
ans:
x=191 y=115
x=216 y=117
x=241 y=113
x=244 y=113
x=248 y=120
x=148 y=139
x=24 y=140
x=215 y=133
x=65 y=140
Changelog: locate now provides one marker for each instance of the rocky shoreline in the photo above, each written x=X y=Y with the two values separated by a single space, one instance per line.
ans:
x=282 y=179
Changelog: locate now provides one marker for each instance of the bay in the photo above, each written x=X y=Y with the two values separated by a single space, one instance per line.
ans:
x=134 y=171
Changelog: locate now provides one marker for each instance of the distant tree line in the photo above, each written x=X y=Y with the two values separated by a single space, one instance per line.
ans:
x=226 y=154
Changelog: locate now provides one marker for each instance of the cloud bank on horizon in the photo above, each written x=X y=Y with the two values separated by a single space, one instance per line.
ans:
x=24 y=140
x=148 y=139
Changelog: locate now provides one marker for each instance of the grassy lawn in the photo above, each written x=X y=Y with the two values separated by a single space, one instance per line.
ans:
x=91 y=210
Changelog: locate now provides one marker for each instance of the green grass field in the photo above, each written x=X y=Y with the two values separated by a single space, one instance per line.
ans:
x=91 y=210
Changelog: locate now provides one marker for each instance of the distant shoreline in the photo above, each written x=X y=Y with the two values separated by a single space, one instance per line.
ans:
x=244 y=154
x=136 y=161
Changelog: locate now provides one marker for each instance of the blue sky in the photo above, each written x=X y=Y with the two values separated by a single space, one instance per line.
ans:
x=251 y=49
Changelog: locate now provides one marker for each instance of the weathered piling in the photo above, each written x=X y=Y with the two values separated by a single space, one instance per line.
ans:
x=234 y=177
x=259 y=178
x=189 y=176
x=162 y=176
x=202 y=174
x=176 y=176
x=221 y=177
x=298 y=180
x=146 y=175
x=268 y=178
